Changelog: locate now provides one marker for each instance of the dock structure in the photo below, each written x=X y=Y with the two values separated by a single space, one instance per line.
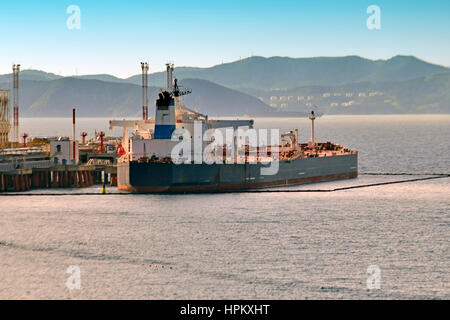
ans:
x=16 y=180
x=69 y=176
x=54 y=163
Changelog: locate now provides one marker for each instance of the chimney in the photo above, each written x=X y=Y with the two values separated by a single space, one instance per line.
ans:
x=16 y=70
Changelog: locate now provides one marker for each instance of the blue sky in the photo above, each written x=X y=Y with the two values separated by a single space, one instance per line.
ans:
x=116 y=35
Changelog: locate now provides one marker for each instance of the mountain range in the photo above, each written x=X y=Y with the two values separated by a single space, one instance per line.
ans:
x=256 y=85
x=283 y=72
x=95 y=98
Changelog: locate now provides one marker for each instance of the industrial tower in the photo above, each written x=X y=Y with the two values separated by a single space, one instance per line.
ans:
x=16 y=70
x=5 y=119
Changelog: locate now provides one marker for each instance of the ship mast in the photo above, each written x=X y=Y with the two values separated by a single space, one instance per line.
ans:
x=312 y=117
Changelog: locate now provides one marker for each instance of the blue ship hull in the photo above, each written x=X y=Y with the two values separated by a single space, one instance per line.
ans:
x=171 y=178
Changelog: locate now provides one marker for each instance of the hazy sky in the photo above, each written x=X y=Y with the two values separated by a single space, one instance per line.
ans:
x=116 y=35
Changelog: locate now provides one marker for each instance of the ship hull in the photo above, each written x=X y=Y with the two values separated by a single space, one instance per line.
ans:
x=194 y=178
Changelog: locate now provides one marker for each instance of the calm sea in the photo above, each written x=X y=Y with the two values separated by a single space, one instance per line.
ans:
x=306 y=245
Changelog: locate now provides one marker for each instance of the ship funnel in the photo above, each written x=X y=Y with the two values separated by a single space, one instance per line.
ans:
x=165 y=116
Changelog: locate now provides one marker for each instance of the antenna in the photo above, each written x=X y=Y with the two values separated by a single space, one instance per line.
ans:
x=171 y=76
x=168 y=75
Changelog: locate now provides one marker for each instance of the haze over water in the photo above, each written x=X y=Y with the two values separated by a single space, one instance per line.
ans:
x=305 y=245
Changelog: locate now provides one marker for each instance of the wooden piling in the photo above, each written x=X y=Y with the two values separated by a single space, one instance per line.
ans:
x=71 y=180
x=16 y=182
x=65 y=175
x=80 y=179
x=76 y=182
x=60 y=179
x=21 y=182
x=35 y=183
x=54 y=177
x=47 y=179
x=85 y=180
x=6 y=181
x=91 y=179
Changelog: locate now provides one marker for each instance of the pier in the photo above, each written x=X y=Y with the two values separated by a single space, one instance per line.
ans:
x=69 y=176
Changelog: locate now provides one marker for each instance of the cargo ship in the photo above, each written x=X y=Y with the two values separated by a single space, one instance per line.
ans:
x=183 y=151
